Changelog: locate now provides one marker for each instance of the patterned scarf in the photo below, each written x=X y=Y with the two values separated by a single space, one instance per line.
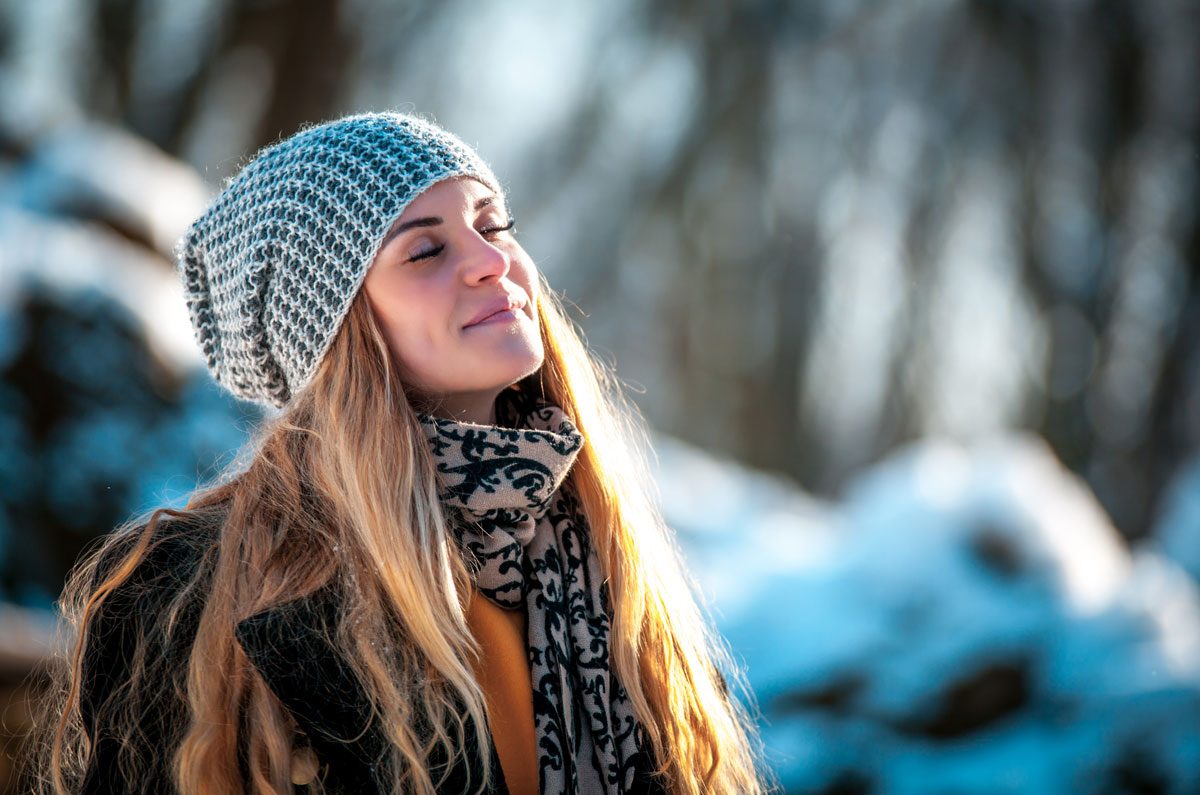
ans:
x=527 y=543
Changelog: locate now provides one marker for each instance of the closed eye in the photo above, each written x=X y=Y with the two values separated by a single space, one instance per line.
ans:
x=493 y=230
x=433 y=252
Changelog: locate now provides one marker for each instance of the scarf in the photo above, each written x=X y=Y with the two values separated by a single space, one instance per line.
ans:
x=527 y=543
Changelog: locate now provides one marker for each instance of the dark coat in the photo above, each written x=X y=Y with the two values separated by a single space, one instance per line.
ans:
x=286 y=646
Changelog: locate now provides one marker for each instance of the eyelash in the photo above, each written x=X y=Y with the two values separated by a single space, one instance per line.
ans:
x=433 y=252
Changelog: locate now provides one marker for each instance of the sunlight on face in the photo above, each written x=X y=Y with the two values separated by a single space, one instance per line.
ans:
x=448 y=261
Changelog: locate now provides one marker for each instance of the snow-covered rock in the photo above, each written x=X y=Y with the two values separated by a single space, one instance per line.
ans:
x=105 y=406
x=967 y=620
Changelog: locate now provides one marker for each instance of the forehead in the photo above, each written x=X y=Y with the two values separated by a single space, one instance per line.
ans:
x=455 y=192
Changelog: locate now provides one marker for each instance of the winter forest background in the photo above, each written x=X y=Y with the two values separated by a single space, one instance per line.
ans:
x=909 y=292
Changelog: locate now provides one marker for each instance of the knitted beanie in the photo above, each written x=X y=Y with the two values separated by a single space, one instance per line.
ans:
x=271 y=267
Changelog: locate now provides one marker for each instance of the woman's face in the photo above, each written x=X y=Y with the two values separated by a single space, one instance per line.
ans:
x=447 y=263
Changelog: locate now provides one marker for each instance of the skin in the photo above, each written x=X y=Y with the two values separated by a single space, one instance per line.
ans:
x=423 y=303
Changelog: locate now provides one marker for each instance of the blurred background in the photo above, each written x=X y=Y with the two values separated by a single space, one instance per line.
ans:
x=909 y=292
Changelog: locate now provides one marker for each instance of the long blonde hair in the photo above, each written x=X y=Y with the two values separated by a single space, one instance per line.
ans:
x=341 y=486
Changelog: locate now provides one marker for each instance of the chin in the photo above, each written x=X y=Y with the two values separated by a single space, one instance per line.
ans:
x=502 y=370
x=529 y=363
x=521 y=353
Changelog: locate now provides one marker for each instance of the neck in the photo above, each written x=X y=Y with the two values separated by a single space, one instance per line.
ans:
x=475 y=407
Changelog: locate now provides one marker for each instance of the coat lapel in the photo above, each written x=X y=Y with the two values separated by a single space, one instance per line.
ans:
x=288 y=646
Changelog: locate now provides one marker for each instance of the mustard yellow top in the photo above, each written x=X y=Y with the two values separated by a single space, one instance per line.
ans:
x=503 y=673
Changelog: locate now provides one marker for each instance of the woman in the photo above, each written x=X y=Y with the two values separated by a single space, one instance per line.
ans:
x=441 y=569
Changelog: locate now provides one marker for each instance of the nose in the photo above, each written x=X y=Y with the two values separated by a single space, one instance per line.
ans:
x=485 y=261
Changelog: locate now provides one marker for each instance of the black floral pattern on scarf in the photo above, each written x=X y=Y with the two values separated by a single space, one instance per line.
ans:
x=529 y=545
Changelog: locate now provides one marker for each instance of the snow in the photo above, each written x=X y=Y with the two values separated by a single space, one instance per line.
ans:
x=942 y=567
x=1177 y=531
x=71 y=171
x=75 y=256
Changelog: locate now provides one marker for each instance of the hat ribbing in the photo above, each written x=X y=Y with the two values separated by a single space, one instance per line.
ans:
x=271 y=267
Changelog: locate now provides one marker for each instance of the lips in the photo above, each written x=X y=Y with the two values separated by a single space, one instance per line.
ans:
x=495 y=306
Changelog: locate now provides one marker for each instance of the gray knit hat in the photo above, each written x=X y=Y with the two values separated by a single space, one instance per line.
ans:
x=271 y=267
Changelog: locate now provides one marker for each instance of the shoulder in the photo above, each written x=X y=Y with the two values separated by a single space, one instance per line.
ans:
x=134 y=660
x=131 y=584
x=137 y=569
x=134 y=582
x=174 y=551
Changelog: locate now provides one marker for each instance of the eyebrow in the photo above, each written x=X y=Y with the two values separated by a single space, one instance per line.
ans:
x=434 y=220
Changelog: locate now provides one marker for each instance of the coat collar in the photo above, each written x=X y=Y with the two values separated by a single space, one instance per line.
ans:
x=289 y=647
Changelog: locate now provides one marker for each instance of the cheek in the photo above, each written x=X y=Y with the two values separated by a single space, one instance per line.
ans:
x=407 y=316
x=413 y=333
x=525 y=273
